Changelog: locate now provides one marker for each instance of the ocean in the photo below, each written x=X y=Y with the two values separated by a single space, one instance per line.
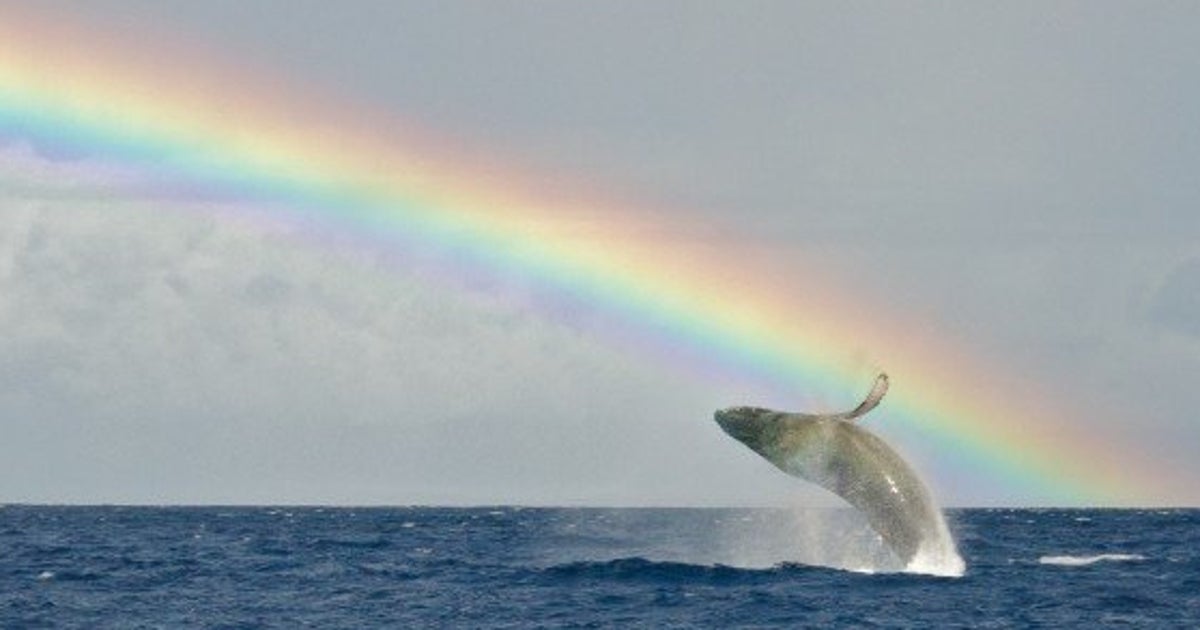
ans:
x=294 y=567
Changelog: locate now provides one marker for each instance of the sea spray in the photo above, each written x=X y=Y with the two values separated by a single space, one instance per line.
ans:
x=938 y=555
x=742 y=538
x=835 y=538
x=838 y=538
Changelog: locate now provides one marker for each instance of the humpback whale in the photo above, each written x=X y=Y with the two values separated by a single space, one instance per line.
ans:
x=834 y=452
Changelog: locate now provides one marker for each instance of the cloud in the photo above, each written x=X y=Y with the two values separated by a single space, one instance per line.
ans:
x=156 y=350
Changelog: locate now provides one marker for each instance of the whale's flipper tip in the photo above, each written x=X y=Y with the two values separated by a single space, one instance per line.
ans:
x=872 y=400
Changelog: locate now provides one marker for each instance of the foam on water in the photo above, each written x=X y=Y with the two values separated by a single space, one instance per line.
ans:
x=1080 y=561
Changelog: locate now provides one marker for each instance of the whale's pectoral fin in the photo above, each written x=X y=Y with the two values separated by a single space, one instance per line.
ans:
x=871 y=401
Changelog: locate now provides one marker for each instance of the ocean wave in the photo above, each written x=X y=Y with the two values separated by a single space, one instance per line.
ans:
x=639 y=568
x=370 y=542
x=1079 y=561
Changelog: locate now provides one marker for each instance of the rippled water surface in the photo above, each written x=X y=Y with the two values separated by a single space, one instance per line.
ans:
x=505 y=566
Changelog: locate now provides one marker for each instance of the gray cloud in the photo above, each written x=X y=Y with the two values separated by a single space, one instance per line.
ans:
x=159 y=353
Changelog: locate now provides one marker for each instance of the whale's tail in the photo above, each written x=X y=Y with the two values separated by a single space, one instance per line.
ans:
x=870 y=402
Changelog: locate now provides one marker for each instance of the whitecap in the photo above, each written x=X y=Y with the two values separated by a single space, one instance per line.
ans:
x=1079 y=561
x=46 y=575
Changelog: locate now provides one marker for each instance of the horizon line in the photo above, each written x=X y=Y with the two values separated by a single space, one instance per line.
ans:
x=558 y=506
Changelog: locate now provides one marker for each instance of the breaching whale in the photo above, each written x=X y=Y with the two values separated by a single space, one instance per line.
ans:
x=833 y=452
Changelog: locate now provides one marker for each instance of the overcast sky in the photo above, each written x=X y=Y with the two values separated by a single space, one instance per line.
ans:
x=1023 y=177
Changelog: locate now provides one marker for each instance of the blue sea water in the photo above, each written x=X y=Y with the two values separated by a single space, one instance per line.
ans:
x=147 y=567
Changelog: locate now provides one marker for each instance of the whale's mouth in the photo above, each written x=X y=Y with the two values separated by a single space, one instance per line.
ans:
x=739 y=412
x=740 y=423
x=730 y=416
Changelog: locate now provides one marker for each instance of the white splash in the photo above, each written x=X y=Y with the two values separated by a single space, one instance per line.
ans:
x=938 y=556
x=834 y=538
x=1080 y=561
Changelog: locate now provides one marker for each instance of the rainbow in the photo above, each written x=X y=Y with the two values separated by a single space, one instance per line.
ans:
x=332 y=167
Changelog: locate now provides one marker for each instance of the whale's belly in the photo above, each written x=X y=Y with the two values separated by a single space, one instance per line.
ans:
x=861 y=469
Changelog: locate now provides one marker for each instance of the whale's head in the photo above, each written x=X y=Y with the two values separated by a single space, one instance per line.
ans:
x=753 y=426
